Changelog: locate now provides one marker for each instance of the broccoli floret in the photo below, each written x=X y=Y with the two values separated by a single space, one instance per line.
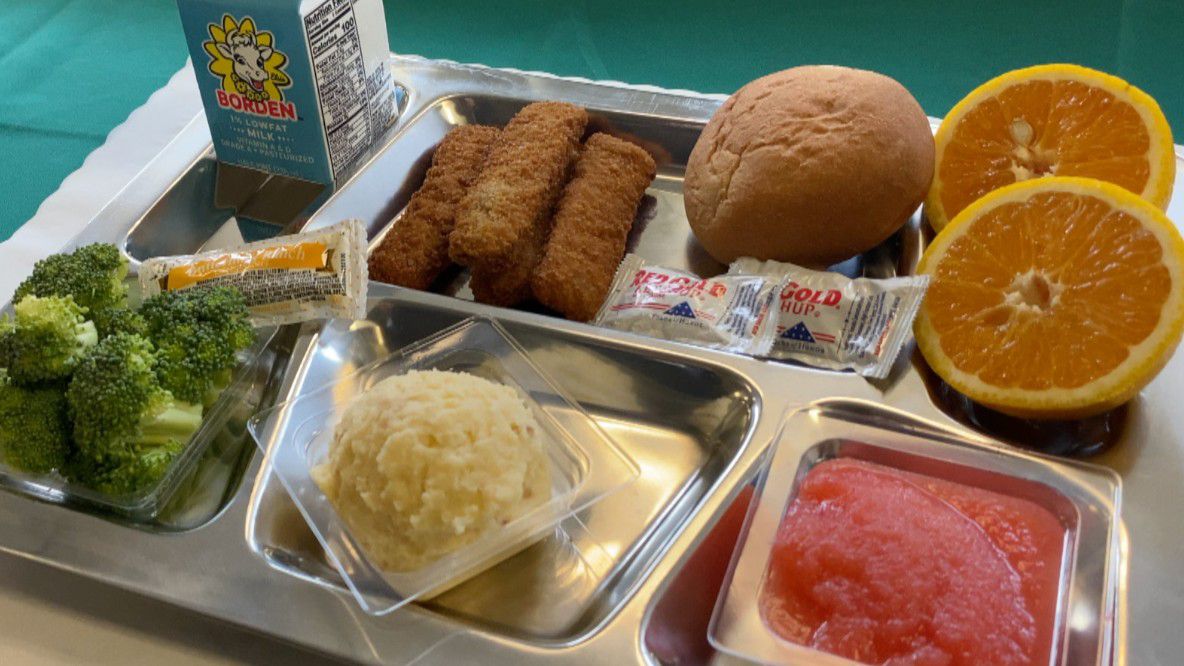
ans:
x=124 y=476
x=45 y=339
x=92 y=274
x=197 y=333
x=121 y=320
x=34 y=429
x=127 y=427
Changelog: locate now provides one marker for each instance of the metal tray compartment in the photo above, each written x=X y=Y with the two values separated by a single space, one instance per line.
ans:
x=1083 y=499
x=683 y=422
x=660 y=233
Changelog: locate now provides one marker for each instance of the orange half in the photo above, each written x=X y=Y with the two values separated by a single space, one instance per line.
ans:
x=1053 y=298
x=1050 y=120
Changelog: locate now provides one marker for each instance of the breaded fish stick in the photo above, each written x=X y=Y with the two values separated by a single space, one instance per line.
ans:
x=592 y=223
x=510 y=285
x=504 y=211
x=415 y=251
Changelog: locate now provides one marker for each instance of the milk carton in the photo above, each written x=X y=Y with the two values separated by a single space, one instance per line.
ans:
x=293 y=87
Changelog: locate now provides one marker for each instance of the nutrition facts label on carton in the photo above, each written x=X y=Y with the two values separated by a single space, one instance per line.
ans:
x=340 y=70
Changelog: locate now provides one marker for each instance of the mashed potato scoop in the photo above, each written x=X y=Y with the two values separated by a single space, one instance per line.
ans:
x=427 y=462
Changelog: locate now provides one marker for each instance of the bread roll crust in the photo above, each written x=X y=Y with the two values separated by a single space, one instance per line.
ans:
x=810 y=165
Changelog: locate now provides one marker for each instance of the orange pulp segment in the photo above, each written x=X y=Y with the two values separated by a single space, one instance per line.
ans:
x=1050 y=120
x=1053 y=298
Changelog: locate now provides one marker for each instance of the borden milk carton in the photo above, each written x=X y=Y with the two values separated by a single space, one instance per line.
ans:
x=293 y=87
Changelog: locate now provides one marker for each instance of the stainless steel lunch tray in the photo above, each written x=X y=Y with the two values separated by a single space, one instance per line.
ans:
x=696 y=421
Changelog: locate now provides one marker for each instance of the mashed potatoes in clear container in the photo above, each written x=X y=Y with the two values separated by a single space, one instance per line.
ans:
x=426 y=462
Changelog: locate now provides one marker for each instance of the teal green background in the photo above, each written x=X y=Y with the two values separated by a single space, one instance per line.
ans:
x=71 y=70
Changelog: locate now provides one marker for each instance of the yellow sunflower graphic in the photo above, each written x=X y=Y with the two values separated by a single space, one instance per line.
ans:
x=246 y=60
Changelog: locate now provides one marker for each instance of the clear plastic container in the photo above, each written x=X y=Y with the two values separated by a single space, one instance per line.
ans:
x=1083 y=498
x=586 y=464
x=147 y=503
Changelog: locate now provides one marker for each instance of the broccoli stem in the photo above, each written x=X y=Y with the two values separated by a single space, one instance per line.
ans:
x=221 y=381
x=175 y=424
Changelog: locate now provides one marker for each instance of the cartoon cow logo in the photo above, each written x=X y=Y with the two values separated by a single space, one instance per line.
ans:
x=246 y=60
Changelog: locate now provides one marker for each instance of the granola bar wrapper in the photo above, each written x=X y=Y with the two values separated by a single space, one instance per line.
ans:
x=316 y=274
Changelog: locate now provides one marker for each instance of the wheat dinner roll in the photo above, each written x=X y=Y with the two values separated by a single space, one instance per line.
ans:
x=810 y=165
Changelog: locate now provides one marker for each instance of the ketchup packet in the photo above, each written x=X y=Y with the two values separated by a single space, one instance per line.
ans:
x=285 y=280
x=829 y=320
x=725 y=312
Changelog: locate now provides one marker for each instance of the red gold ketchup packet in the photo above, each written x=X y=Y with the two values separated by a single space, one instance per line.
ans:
x=829 y=320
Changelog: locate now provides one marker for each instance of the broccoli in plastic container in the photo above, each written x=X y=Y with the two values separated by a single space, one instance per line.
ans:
x=93 y=275
x=197 y=333
x=106 y=393
x=34 y=430
x=127 y=427
x=45 y=340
